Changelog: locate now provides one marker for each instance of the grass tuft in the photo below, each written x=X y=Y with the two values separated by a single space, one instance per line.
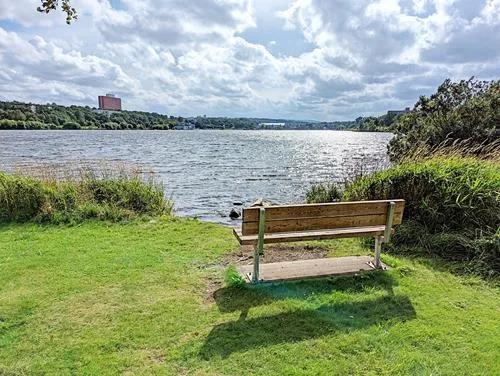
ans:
x=233 y=278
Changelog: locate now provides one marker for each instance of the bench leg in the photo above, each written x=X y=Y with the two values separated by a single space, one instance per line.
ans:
x=256 y=262
x=378 y=246
x=259 y=248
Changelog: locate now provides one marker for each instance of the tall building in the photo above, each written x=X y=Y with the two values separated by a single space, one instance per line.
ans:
x=398 y=112
x=110 y=102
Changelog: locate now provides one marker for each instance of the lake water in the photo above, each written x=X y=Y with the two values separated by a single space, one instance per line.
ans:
x=205 y=172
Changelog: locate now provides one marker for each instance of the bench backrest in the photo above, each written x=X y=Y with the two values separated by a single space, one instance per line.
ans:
x=288 y=218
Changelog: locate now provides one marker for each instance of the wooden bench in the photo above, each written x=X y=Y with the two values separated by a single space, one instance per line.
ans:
x=294 y=223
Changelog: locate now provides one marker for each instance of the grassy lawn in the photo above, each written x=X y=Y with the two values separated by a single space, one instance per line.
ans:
x=136 y=298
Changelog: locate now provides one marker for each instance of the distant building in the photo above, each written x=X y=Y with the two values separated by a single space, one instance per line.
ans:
x=109 y=102
x=33 y=108
x=184 y=127
x=398 y=112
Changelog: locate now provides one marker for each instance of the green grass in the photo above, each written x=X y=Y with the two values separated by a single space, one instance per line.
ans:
x=131 y=298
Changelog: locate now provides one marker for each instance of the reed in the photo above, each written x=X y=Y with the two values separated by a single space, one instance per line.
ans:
x=455 y=149
x=61 y=193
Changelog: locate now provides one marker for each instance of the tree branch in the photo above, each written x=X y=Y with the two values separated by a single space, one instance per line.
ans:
x=50 y=5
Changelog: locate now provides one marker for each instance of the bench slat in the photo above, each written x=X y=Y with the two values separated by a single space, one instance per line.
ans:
x=329 y=216
x=304 y=224
x=311 y=235
x=278 y=212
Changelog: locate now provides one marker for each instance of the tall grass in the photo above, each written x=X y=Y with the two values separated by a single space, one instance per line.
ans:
x=452 y=207
x=326 y=192
x=58 y=194
x=450 y=148
x=442 y=193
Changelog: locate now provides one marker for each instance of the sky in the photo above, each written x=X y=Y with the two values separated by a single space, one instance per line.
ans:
x=299 y=59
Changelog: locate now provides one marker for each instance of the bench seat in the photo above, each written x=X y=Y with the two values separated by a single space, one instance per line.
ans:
x=283 y=237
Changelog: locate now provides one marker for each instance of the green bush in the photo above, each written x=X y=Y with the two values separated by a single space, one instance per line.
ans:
x=71 y=125
x=112 y=125
x=441 y=194
x=20 y=199
x=84 y=197
x=452 y=208
x=127 y=194
x=8 y=124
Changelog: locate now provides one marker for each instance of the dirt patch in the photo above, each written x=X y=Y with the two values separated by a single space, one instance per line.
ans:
x=272 y=253
x=276 y=253
x=212 y=284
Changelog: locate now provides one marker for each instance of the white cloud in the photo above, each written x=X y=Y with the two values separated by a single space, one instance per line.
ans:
x=45 y=67
x=392 y=47
x=189 y=57
x=178 y=22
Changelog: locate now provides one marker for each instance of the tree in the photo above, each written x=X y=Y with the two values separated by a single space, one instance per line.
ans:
x=467 y=111
x=51 y=5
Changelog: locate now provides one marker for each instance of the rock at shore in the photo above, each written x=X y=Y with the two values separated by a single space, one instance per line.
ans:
x=234 y=214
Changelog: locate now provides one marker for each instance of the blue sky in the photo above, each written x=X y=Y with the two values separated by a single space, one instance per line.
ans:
x=302 y=59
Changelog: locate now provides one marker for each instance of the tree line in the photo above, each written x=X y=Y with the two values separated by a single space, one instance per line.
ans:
x=464 y=110
x=19 y=115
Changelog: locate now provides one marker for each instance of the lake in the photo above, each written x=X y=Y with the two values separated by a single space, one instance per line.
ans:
x=205 y=171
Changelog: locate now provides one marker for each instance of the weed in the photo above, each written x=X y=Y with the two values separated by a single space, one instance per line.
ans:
x=233 y=278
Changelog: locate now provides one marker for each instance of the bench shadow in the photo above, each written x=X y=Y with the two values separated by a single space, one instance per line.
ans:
x=299 y=325
x=231 y=299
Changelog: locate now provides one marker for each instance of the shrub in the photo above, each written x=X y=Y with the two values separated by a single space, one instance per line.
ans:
x=127 y=194
x=8 y=124
x=79 y=197
x=441 y=194
x=452 y=208
x=20 y=199
x=328 y=192
x=112 y=125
